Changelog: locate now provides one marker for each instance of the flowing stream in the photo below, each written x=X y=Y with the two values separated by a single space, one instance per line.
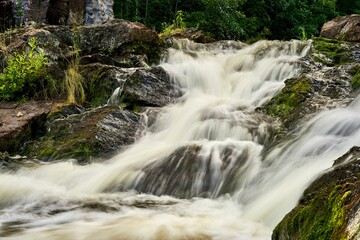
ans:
x=203 y=170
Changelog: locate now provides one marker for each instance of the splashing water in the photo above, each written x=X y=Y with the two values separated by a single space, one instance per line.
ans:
x=201 y=167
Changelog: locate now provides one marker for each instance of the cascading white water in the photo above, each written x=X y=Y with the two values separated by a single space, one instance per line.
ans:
x=209 y=144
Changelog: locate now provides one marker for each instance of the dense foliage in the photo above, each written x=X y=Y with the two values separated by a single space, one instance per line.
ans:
x=240 y=19
x=25 y=75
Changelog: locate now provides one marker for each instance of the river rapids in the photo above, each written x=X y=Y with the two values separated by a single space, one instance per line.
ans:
x=206 y=168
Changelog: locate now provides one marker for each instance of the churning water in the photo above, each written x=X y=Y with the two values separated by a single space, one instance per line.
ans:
x=203 y=170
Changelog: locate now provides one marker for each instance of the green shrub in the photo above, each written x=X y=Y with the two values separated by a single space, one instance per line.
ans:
x=355 y=81
x=25 y=75
x=178 y=25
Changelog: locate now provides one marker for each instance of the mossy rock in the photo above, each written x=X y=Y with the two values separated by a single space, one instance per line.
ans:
x=100 y=82
x=355 y=80
x=98 y=133
x=338 y=52
x=327 y=206
x=289 y=101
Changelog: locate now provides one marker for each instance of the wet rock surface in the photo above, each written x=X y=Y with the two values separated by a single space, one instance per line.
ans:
x=113 y=57
x=148 y=87
x=187 y=173
x=330 y=207
x=326 y=83
x=86 y=135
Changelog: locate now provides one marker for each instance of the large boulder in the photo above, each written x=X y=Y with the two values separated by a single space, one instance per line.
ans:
x=83 y=135
x=120 y=38
x=345 y=28
x=330 y=207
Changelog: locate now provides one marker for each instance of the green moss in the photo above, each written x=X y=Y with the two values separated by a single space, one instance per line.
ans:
x=288 y=100
x=355 y=81
x=74 y=137
x=334 y=50
x=323 y=218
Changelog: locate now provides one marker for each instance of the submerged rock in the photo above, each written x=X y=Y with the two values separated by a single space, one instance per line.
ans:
x=200 y=170
x=345 y=28
x=330 y=207
x=91 y=134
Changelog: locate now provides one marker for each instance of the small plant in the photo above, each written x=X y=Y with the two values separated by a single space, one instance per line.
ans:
x=178 y=25
x=302 y=33
x=73 y=79
x=25 y=75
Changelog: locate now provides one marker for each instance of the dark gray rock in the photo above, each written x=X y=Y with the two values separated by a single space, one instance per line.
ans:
x=97 y=133
x=148 y=87
x=121 y=38
x=189 y=172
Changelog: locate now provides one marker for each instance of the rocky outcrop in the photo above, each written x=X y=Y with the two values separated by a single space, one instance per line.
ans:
x=345 y=28
x=120 y=38
x=328 y=81
x=84 y=135
x=330 y=207
x=109 y=59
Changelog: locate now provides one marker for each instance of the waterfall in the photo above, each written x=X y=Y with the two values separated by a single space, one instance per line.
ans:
x=201 y=170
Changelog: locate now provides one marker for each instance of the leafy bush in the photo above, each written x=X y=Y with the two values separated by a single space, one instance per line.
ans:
x=25 y=75
x=178 y=25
